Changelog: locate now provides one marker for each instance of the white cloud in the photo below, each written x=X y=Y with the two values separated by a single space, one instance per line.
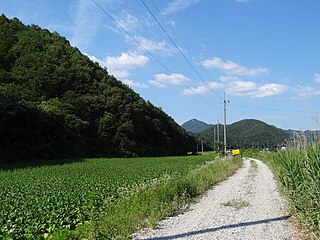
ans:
x=306 y=92
x=232 y=67
x=197 y=90
x=128 y=21
x=240 y=88
x=229 y=78
x=119 y=66
x=162 y=80
x=134 y=84
x=203 y=89
x=152 y=46
x=95 y=59
x=317 y=77
x=86 y=20
x=157 y=84
x=178 y=6
x=269 y=89
x=215 y=85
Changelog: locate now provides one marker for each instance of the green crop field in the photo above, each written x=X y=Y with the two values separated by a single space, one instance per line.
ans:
x=37 y=201
x=299 y=173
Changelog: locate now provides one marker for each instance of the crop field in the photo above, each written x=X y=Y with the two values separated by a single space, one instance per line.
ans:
x=299 y=173
x=36 y=201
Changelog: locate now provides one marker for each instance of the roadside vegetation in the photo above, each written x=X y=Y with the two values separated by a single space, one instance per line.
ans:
x=298 y=172
x=102 y=198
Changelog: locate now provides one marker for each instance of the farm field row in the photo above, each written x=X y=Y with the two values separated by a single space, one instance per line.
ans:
x=39 y=200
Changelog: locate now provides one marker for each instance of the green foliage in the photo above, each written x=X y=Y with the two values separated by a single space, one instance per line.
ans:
x=55 y=102
x=299 y=173
x=249 y=133
x=218 y=147
x=51 y=199
x=251 y=152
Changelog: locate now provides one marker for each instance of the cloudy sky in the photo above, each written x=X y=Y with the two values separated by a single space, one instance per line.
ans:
x=182 y=55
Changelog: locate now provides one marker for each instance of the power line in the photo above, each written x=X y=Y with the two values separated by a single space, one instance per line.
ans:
x=274 y=109
x=157 y=60
x=182 y=54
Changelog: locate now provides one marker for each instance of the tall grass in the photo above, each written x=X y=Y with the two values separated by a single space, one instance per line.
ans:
x=299 y=173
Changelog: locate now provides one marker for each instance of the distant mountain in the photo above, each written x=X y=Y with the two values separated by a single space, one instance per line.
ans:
x=247 y=133
x=195 y=126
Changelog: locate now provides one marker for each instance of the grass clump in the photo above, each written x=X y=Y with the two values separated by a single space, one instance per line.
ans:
x=253 y=165
x=237 y=204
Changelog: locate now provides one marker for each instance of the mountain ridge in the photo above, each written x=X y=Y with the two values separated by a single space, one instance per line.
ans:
x=195 y=125
x=247 y=133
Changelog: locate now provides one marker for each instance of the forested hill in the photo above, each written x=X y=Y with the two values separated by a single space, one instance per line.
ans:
x=195 y=126
x=55 y=102
x=248 y=133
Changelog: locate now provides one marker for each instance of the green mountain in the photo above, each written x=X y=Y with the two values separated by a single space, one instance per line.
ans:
x=248 y=133
x=195 y=126
x=56 y=102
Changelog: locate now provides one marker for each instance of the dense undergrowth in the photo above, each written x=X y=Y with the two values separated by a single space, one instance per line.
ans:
x=298 y=171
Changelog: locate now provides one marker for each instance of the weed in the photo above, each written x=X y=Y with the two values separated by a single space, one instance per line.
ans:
x=237 y=204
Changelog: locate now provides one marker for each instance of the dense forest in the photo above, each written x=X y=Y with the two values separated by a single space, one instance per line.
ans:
x=248 y=133
x=55 y=102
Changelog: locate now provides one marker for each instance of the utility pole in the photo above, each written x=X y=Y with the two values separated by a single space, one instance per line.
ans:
x=225 y=123
x=315 y=128
x=214 y=139
x=218 y=137
x=202 y=146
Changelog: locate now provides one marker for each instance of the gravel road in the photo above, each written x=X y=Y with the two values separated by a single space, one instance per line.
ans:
x=245 y=206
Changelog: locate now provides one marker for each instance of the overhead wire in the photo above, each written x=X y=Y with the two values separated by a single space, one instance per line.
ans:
x=151 y=55
x=274 y=109
x=231 y=105
x=181 y=53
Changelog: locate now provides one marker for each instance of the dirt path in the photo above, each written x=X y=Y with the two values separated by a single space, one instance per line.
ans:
x=246 y=206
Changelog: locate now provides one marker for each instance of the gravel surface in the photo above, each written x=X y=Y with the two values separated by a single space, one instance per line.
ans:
x=245 y=206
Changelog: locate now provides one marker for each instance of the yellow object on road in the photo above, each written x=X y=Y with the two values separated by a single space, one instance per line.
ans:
x=235 y=152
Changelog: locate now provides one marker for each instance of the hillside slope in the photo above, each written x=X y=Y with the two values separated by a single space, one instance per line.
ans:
x=247 y=133
x=195 y=126
x=55 y=102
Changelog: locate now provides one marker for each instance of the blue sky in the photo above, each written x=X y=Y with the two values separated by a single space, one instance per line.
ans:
x=265 y=54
